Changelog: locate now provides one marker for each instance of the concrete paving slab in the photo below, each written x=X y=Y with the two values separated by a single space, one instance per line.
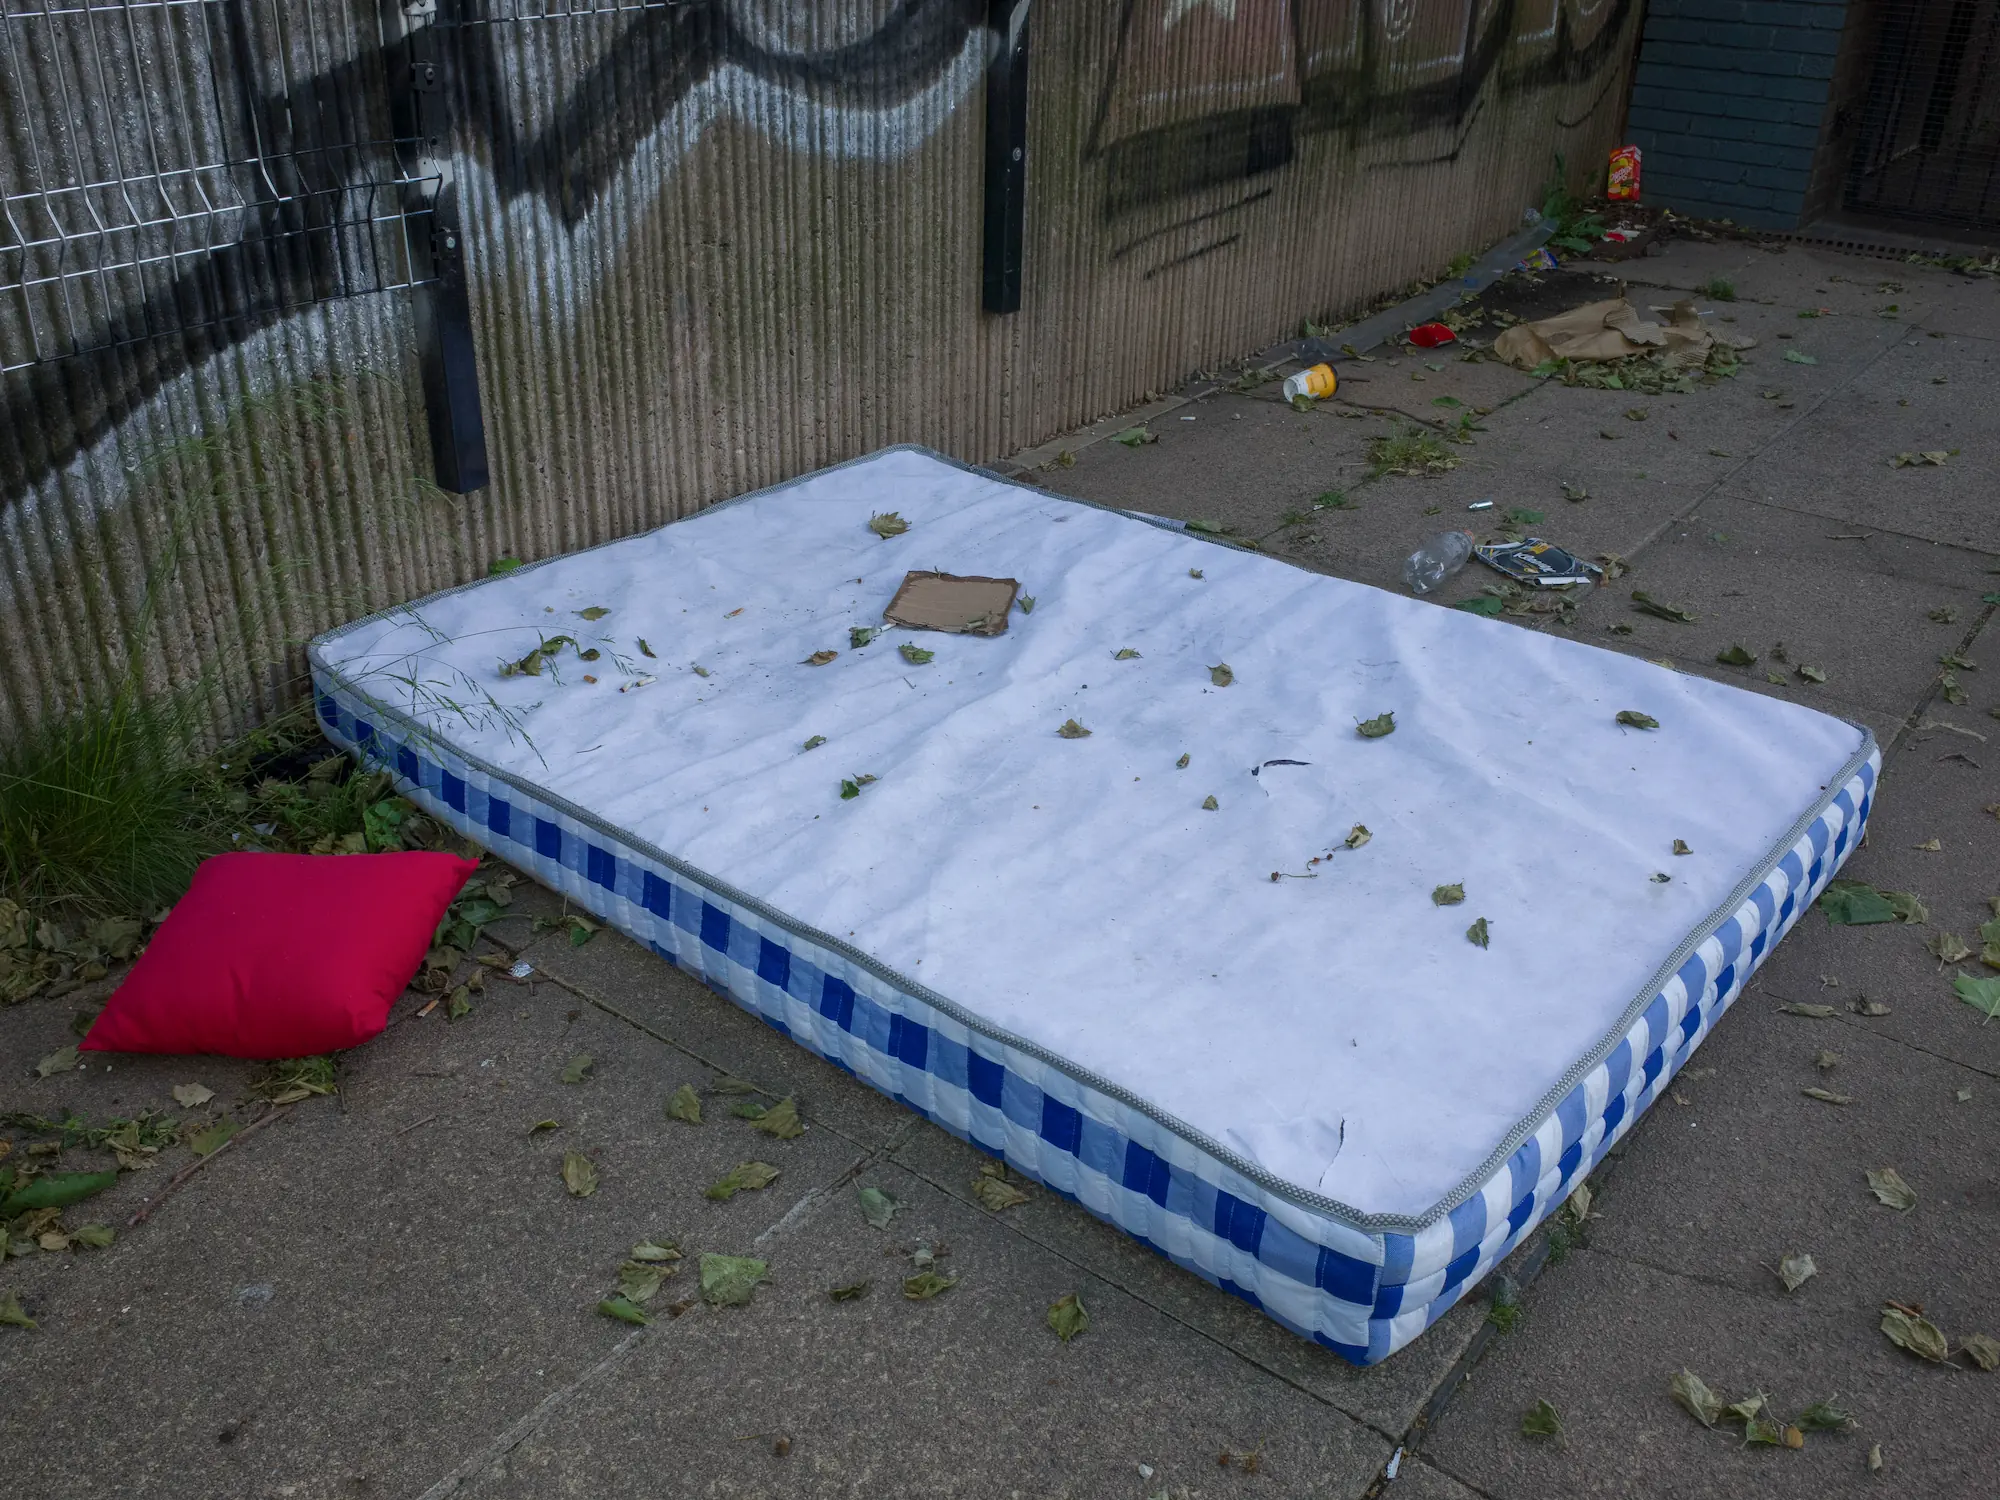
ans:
x=1603 y=1336
x=1836 y=463
x=969 y=1393
x=1387 y=1397
x=325 y=1306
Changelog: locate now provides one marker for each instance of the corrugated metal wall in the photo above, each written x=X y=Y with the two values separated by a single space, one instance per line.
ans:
x=709 y=244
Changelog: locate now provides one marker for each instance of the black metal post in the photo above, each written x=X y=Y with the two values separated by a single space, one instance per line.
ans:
x=418 y=33
x=1006 y=154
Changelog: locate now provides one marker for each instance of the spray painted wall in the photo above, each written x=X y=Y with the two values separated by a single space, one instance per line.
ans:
x=708 y=245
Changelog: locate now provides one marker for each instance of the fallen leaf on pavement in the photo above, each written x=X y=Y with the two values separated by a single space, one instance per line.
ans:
x=887 y=524
x=1888 y=1186
x=1948 y=947
x=639 y=1281
x=743 y=1177
x=1854 y=903
x=1762 y=1430
x=100 y=1236
x=578 y=1175
x=1220 y=675
x=1447 y=895
x=877 y=1207
x=1477 y=934
x=656 y=1251
x=1209 y=804
x=1072 y=730
x=1135 y=437
x=1696 y=1398
x=849 y=1293
x=1736 y=656
x=1646 y=604
x=819 y=658
x=1916 y=1333
x=208 y=1141
x=1633 y=719
x=927 y=1284
x=994 y=1191
x=59 y=1061
x=1863 y=1006
x=1125 y=653
x=1827 y=1096
x=11 y=1313
x=1824 y=1416
x=192 y=1095
x=728 y=1280
x=684 y=1104
x=1541 y=1421
x=1811 y=674
x=914 y=654
x=577 y=1069
x=1067 y=1317
x=1375 y=728
x=1983 y=995
x=1680 y=847
x=1981 y=1350
x=595 y=612
x=1875 y=1458
x=1827 y=1061
x=781 y=1120
x=1799 y=357
x=1796 y=1270
x=624 y=1310
x=1812 y=1012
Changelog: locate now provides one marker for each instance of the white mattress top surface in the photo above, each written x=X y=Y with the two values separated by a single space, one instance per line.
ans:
x=1339 y=1031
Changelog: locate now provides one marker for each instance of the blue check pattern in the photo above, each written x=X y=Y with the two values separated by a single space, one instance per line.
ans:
x=1361 y=1292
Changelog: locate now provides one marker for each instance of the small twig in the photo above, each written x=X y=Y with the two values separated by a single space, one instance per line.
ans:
x=146 y=1210
x=415 y=1123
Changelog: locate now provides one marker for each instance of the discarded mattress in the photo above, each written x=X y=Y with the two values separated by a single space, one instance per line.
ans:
x=1142 y=964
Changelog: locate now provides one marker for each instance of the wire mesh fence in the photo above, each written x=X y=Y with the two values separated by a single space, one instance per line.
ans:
x=1930 y=141
x=167 y=165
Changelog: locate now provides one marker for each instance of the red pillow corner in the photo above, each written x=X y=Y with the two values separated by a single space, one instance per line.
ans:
x=282 y=955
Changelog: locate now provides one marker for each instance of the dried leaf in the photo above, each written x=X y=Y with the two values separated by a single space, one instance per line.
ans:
x=1135 y=437
x=1541 y=1421
x=577 y=1069
x=1826 y=1096
x=1476 y=934
x=1744 y=1410
x=595 y=612
x=1026 y=604
x=732 y=1086
x=578 y=1175
x=914 y=654
x=1799 y=357
x=100 y=1236
x=1907 y=907
x=1948 y=947
x=1068 y=1317
x=62 y=1060
x=1796 y=1270
x=1915 y=1333
x=994 y=1191
x=212 y=1139
x=1636 y=720
x=1377 y=727
x=1681 y=847
x=639 y=1281
x=781 y=1120
x=656 y=1251
x=1736 y=656
x=624 y=1310
x=12 y=1314
x=1182 y=763
x=1983 y=995
x=1824 y=1416
x=1875 y=1458
x=1447 y=895
x=743 y=1177
x=1827 y=1061
x=1646 y=604
x=927 y=1284
x=1072 y=730
x=646 y=650
x=1194 y=572
x=540 y=1125
x=1696 y=1398
x=1762 y=1431
x=1357 y=836
x=1811 y=674
x=850 y=1293
x=684 y=1104
x=1810 y=1012
x=1887 y=1184
x=819 y=658
x=1220 y=675
x=1861 y=1005
x=1209 y=804
x=877 y=1207
x=888 y=524
x=1977 y=1347
x=192 y=1095
x=728 y=1280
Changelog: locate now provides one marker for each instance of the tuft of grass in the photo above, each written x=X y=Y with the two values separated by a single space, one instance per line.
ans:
x=1574 y=227
x=1410 y=450
x=104 y=810
x=1720 y=288
x=1459 y=265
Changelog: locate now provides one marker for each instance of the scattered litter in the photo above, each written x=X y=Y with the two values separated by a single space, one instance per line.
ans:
x=520 y=969
x=1621 y=178
x=950 y=603
x=1431 y=335
x=1480 y=505
x=1395 y=1463
x=636 y=683
x=1538 y=563
x=1541 y=260
x=1315 y=384
x=1603 y=331
x=1438 y=559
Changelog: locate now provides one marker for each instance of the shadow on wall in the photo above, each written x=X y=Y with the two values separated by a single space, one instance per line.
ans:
x=1200 y=93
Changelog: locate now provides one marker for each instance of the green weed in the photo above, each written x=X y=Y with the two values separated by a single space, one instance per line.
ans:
x=1410 y=450
x=1720 y=288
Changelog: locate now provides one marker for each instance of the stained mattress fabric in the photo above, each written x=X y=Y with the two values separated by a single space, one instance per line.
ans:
x=1297 y=1025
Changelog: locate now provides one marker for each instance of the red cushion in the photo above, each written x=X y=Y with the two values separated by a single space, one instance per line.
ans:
x=282 y=955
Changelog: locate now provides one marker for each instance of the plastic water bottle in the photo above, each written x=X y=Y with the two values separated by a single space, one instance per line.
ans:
x=1435 y=561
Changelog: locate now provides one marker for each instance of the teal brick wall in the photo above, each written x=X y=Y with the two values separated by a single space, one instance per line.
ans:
x=1728 y=102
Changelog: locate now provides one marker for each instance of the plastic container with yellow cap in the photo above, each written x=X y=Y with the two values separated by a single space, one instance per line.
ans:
x=1319 y=382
